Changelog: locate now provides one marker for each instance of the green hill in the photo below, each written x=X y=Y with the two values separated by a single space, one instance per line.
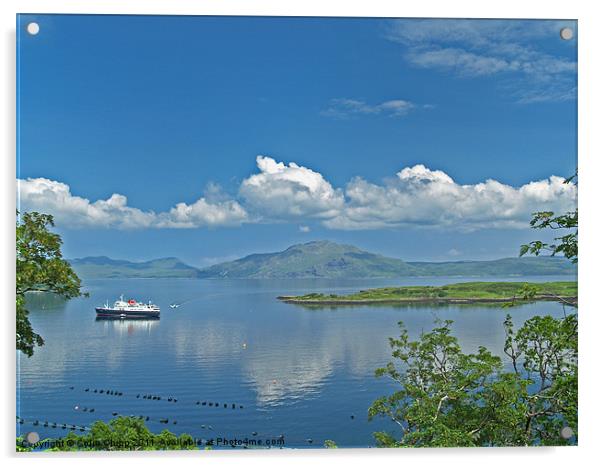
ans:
x=326 y=259
x=316 y=259
x=105 y=267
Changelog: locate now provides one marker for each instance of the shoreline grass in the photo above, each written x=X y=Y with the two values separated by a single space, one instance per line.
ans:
x=467 y=292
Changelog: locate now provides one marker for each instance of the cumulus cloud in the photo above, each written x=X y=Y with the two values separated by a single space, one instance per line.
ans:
x=283 y=191
x=214 y=209
x=418 y=196
x=72 y=211
x=53 y=197
x=346 y=108
x=477 y=48
x=203 y=214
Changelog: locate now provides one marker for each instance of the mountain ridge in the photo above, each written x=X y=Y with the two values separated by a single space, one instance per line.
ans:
x=327 y=259
x=105 y=267
x=319 y=259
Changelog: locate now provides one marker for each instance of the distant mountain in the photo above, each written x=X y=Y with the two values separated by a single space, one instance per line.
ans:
x=320 y=259
x=315 y=259
x=105 y=267
x=511 y=266
x=326 y=259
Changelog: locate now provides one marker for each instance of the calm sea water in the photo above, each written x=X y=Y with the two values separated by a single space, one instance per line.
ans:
x=297 y=372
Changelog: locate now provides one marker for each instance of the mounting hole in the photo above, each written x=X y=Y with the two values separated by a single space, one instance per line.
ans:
x=566 y=33
x=566 y=432
x=33 y=28
x=32 y=438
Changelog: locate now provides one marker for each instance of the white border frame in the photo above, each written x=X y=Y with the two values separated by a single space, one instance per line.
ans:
x=590 y=154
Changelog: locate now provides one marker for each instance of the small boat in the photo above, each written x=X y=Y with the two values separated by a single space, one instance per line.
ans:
x=174 y=305
x=130 y=309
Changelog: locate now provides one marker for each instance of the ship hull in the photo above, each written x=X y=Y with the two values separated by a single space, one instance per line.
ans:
x=126 y=314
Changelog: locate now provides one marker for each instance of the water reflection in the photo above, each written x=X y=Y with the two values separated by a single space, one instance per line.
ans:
x=280 y=376
x=44 y=301
x=128 y=326
x=209 y=342
x=296 y=370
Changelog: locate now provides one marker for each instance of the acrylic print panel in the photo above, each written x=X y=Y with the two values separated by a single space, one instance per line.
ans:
x=222 y=220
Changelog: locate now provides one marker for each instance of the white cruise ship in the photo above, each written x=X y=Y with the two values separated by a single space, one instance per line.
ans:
x=130 y=309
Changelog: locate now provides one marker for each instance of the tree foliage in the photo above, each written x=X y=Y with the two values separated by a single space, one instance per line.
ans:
x=40 y=268
x=448 y=398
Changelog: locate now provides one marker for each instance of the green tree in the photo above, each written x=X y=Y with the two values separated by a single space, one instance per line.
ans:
x=40 y=268
x=544 y=353
x=449 y=398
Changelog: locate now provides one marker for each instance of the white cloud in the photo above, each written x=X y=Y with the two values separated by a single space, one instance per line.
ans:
x=283 y=191
x=346 y=108
x=203 y=213
x=72 y=211
x=416 y=197
x=53 y=197
x=461 y=61
x=476 y=48
x=422 y=197
x=214 y=209
x=475 y=33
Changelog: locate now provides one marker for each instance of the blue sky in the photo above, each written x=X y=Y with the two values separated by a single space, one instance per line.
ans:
x=174 y=111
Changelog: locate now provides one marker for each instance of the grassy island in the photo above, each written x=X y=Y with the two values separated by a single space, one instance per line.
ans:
x=457 y=293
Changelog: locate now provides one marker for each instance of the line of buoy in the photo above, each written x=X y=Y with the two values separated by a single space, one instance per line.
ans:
x=85 y=409
x=115 y=413
x=54 y=425
x=102 y=390
x=170 y=399
x=210 y=403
